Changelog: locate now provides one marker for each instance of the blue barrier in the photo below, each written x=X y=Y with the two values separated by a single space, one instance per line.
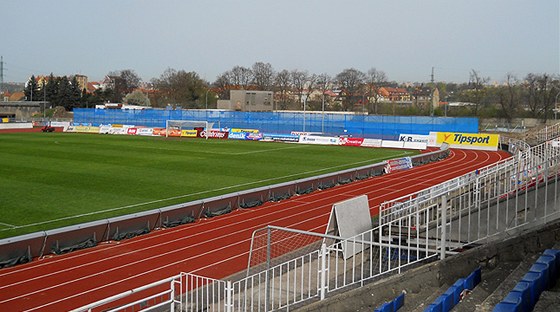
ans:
x=368 y=126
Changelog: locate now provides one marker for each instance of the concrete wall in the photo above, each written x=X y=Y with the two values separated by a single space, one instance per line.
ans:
x=252 y=101
x=22 y=110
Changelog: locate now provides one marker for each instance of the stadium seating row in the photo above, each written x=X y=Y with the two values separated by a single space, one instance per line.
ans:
x=541 y=276
x=451 y=297
x=393 y=305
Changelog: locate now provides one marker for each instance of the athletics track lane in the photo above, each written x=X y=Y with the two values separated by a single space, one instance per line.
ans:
x=216 y=247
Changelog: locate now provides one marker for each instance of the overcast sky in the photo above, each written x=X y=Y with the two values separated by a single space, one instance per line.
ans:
x=405 y=39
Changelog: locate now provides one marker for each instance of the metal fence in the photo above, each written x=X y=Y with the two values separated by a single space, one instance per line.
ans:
x=370 y=126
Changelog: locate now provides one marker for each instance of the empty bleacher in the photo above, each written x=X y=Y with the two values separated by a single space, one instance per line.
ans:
x=502 y=264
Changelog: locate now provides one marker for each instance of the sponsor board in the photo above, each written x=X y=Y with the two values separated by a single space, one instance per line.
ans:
x=85 y=129
x=118 y=130
x=104 y=129
x=304 y=133
x=145 y=131
x=159 y=131
x=60 y=124
x=280 y=137
x=351 y=141
x=213 y=134
x=173 y=132
x=189 y=133
x=311 y=139
x=476 y=141
x=251 y=136
x=371 y=143
x=398 y=164
x=414 y=138
x=237 y=130
x=131 y=131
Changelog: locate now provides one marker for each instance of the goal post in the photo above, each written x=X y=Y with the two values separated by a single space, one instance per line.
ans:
x=180 y=125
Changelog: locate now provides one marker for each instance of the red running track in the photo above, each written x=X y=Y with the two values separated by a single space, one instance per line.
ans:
x=216 y=247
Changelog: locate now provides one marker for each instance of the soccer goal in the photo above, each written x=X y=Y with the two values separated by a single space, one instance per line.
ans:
x=175 y=127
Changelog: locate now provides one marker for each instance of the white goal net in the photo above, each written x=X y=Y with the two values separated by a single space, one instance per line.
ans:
x=177 y=126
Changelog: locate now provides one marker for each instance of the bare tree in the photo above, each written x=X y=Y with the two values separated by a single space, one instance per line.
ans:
x=283 y=84
x=478 y=85
x=299 y=81
x=375 y=80
x=350 y=81
x=324 y=84
x=223 y=85
x=509 y=97
x=241 y=76
x=263 y=76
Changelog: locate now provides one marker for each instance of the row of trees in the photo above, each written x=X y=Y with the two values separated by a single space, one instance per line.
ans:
x=532 y=96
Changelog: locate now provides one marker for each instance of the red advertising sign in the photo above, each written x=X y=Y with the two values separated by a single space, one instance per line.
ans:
x=132 y=131
x=213 y=134
x=351 y=141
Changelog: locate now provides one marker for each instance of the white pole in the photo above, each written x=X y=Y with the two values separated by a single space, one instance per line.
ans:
x=304 y=105
x=443 y=225
x=323 y=287
x=323 y=111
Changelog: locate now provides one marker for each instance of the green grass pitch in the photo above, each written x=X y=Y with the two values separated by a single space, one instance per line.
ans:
x=50 y=180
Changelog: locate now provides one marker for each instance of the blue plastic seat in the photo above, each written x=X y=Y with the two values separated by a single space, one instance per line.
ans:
x=434 y=307
x=398 y=302
x=386 y=307
x=522 y=288
x=459 y=287
x=511 y=303
x=552 y=271
x=446 y=302
x=534 y=280
x=541 y=268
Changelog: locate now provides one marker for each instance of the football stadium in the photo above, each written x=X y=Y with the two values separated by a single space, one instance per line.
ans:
x=164 y=210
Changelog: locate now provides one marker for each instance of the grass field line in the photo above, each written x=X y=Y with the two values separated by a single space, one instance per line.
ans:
x=194 y=194
x=262 y=151
x=8 y=225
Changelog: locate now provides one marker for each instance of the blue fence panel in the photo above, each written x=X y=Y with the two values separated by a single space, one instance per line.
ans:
x=370 y=126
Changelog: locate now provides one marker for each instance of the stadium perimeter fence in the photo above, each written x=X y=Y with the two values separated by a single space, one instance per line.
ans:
x=367 y=126
x=500 y=200
x=24 y=248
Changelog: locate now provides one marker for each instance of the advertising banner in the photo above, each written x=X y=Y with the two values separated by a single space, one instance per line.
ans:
x=145 y=131
x=280 y=137
x=371 y=143
x=414 y=138
x=173 y=132
x=213 y=134
x=158 y=131
x=475 y=141
x=113 y=130
x=351 y=141
x=131 y=131
x=311 y=139
x=237 y=130
x=86 y=129
x=189 y=133
x=398 y=164
x=251 y=136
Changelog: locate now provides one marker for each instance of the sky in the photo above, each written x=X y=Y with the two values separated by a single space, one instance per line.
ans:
x=403 y=38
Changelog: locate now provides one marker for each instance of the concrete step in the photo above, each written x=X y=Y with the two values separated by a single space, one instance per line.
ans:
x=419 y=303
x=491 y=281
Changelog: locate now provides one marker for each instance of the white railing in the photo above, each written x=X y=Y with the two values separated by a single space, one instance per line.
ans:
x=498 y=200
